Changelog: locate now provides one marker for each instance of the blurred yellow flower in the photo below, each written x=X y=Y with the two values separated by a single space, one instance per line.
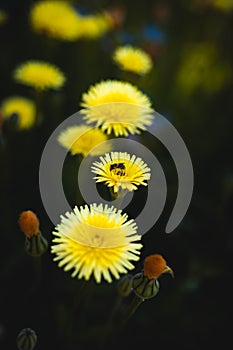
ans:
x=133 y=59
x=3 y=17
x=96 y=240
x=57 y=19
x=82 y=139
x=117 y=106
x=201 y=68
x=95 y=26
x=120 y=169
x=224 y=5
x=40 y=75
x=23 y=108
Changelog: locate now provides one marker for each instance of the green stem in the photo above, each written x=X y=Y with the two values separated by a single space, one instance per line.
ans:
x=37 y=267
x=38 y=103
x=118 y=195
x=136 y=302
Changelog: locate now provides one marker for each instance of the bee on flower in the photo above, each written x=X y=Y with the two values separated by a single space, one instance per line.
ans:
x=121 y=170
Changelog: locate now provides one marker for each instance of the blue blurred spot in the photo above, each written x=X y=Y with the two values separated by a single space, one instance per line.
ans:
x=153 y=33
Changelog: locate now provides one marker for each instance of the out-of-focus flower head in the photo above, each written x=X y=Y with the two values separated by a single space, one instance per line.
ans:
x=56 y=19
x=154 y=39
x=117 y=106
x=94 y=26
x=81 y=139
x=3 y=16
x=223 y=5
x=133 y=59
x=120 y=169
x=40 y=75
x=201 y=68
x=22 y=108
x=96 y=240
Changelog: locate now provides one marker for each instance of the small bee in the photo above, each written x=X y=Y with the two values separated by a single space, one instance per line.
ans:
x=118 y=169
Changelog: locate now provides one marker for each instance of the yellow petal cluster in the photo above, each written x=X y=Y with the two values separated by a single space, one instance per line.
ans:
x=96 y=240
x=40 y=75
x=120 y=169
x=133 y=59
x=22 y=107
x=81 y=139
x=117 y=106
x=56 y=19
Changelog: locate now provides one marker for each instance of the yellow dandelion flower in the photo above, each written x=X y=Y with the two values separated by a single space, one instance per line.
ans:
x=120 y=169
x=23 y=108
x=40 y=75
x=133 y=59
x=96 y=240
x=95 y=26
x=117 y=106
x=82 y=139
x=57 y=19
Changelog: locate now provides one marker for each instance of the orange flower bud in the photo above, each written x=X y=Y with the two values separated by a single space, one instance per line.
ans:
x=154 y=266
x=29 y=223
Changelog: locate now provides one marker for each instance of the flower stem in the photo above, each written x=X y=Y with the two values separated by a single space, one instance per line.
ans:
x=136 y=302
x=118 y=196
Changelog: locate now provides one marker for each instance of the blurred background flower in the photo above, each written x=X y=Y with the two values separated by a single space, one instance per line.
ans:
x=40 y=75
x=82 y=139
x=23 y=109
x=56 y=19
x=132 y=59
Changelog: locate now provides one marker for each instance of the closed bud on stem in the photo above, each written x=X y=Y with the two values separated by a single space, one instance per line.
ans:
x=143 y=287
x=145 y=284
x=36 y=245
x=26 y=339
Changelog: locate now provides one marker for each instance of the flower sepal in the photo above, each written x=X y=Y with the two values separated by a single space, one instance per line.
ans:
x=36 y=245
x=144 y=287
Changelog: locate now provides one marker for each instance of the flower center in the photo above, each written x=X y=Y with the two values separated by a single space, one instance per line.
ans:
x=118 y=169
x=97 y=240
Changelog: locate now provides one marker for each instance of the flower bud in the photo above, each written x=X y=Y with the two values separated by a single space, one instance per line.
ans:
x=143 y=287
x=36 y=245
x=29 y=223
x=26 y=339
x=154 y=266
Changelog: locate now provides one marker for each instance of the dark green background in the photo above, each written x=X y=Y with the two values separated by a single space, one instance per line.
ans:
x=191 y=311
